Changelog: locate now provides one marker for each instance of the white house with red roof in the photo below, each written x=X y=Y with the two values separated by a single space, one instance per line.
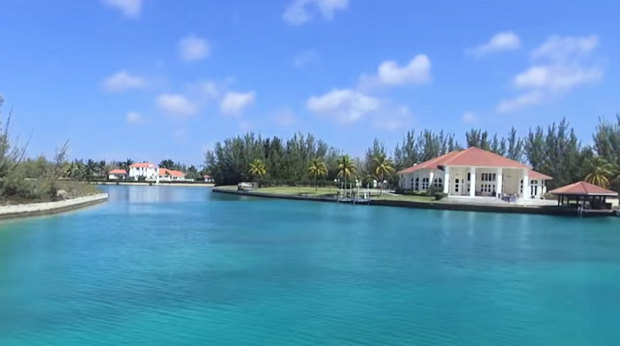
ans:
x=475 y=172
x=170 y=174
x=144 y=170
x=117 y=174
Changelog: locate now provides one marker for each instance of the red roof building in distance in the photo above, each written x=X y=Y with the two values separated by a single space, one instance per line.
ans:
x=170 y=174
x=475 y=172
x=117 y=174
x=142 y=165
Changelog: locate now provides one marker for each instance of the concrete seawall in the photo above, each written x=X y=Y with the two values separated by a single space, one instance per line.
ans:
x=515 y=209
x=47 y=208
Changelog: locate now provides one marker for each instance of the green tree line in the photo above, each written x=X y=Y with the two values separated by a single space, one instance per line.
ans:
x=554 y=150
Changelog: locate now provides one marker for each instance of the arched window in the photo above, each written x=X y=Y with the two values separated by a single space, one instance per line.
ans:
x=456 y=185
x=438 y=182
x=425 y=184
x=416 y=185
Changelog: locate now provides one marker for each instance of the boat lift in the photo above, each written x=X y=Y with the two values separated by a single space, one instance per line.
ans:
x=349 y=192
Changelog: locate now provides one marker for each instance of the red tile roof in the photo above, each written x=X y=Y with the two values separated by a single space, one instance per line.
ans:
x=143 y=165
x=118 y=171
x=164 y=171
x=533 y=175
x=473 y=157
x=584 y=189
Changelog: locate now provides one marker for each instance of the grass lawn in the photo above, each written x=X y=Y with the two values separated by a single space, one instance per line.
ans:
x=332 y=191
x=227 y=187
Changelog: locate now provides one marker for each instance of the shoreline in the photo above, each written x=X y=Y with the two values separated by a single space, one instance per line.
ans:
x=18 y=211
x=152 y=183
x=512 y=209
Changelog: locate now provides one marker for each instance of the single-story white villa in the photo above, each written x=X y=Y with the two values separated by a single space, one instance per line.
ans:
x=117 y=174
x=475 y=172
x=171 y=174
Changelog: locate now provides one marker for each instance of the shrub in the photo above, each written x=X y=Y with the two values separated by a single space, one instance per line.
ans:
x=440 y=195
x=433 y=190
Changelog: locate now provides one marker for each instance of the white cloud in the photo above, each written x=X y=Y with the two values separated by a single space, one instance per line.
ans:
x=561 y=64
x=556 y=78
x=233 y=103
x=390 y=74
x=122 y=81
x=193 y=48
x=566 y=48
x=305 y=58
x=345 y=105
x=134 y=118
x=502 y=41
x=469 y=117
x=129 y=8
x=521 y=101
x=176 y=104
x=417 y=71
x=302 y=11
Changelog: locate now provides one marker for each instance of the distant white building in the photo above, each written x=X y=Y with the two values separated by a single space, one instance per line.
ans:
x=207 y=178
x=144 y=170
x=117 y=174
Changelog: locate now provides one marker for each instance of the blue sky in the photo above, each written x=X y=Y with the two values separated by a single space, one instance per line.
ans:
x=152 y=79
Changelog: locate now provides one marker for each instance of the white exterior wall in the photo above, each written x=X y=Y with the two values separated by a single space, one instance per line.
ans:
x=408 y=181
x=458 y=184
x=537 y=189
x=171 y=178
x=486 y=181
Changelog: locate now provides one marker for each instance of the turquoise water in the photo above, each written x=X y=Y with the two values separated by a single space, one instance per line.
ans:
x=168 y=265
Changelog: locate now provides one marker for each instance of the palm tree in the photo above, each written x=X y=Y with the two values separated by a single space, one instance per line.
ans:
x=257 y=168
x=599 y=171
x=317 y=169
x=91 y=168
x=346 y=167
x=383 y=166
x=125 y=165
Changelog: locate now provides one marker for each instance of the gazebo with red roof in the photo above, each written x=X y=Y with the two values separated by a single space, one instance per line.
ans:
x=475 y=172
x=584 y=195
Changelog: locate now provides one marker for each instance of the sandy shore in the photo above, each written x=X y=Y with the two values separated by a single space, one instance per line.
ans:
x=45 y=208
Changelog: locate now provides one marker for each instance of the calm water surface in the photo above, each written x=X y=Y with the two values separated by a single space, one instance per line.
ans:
x=168 y=265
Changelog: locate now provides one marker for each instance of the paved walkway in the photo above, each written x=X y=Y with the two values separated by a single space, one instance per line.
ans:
x=31 y=209
x=496 y=201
